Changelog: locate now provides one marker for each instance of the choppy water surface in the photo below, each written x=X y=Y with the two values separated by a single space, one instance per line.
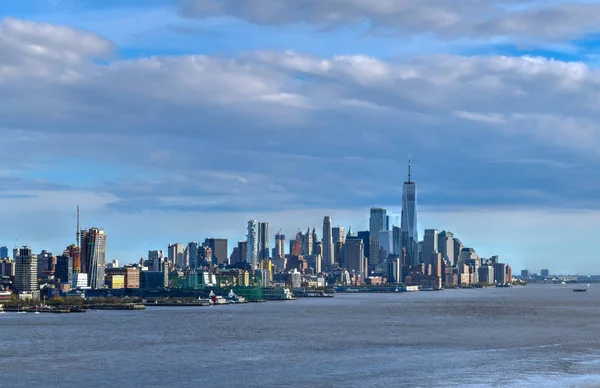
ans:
x=539 y=335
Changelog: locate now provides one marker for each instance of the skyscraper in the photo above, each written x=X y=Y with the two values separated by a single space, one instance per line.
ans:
x=458 y=246
x=252 y=247
x=4 y=252
x=307 y=243
x=243 y=250
x=354 y=257
x=410 y=234
x=364 y=235
x=446 y=246
x=339 y=234
x=327 y=243
x=191 y=254
x=219 y=249
x=157 y=258
x=176 y=254
x=93 y=254
x=64 y=269
x=74 y=253
x=386 y=244
x=263 y=240
x=25 y=271
x=377 y=223
x=430 y=245
x=279 y=245
x=396 y=240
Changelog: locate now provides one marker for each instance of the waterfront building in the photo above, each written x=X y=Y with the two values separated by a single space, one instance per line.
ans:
x=410 y=234
x=93 y=253
x=263 y=240
x=7 y=267
x=500 y=273
x=130 y=274
x=354 y=257
x=4 y=252
x=446 y=246
x=486 y=274
x=328 y=255
x=377 y=223
x=25 y=271
x=80 y=280
x=219 y=249
x=279 y=245
x=545 y=273
x=524 y=274
x=252 y=244
x=338 y=234
x=176 y=255
x=153 y=279
x=430 y=245
x=394 y=271
x=64 y=269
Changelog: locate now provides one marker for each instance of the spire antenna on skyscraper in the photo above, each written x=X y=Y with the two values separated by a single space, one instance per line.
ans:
x=408 y=168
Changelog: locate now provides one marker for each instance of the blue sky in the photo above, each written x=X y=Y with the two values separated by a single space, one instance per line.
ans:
x=173 y=121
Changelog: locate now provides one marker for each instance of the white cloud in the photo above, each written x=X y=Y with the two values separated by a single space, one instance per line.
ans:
x=490 y=118
x=555 y=20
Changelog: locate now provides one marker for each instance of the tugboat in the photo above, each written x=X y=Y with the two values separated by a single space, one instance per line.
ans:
x=581 y=289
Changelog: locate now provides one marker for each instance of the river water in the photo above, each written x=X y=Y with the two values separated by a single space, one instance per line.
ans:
x=538 y=335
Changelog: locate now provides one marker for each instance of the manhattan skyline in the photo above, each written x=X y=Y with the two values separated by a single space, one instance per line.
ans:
x=203 y=116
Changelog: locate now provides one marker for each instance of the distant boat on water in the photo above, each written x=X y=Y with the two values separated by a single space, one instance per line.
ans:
x=581 y=289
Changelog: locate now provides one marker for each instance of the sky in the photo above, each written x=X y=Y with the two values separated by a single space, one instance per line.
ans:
x=174 y=121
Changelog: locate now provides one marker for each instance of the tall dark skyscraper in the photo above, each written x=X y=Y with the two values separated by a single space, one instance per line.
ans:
x=263 y=240
x=93 y=256
x=410 y=234
x=328 y=254
x=377 y=223
x=64 y=269
x=219 y=249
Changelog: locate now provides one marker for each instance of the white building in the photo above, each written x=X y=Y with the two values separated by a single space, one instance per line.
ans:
x=80 y=280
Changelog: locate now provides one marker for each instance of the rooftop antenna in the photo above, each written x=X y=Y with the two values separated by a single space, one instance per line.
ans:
x=77 y=233
x=408 y=168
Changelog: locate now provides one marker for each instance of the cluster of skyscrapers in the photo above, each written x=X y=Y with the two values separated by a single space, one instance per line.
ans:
x=385 y=253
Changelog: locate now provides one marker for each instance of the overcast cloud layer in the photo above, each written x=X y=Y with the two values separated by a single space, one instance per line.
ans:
x=160 y=146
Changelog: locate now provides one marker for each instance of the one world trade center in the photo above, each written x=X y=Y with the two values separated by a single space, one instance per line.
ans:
x=410 y=235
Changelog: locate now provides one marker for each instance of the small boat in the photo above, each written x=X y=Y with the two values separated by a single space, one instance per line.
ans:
x=581 y=289
x=36 y=310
